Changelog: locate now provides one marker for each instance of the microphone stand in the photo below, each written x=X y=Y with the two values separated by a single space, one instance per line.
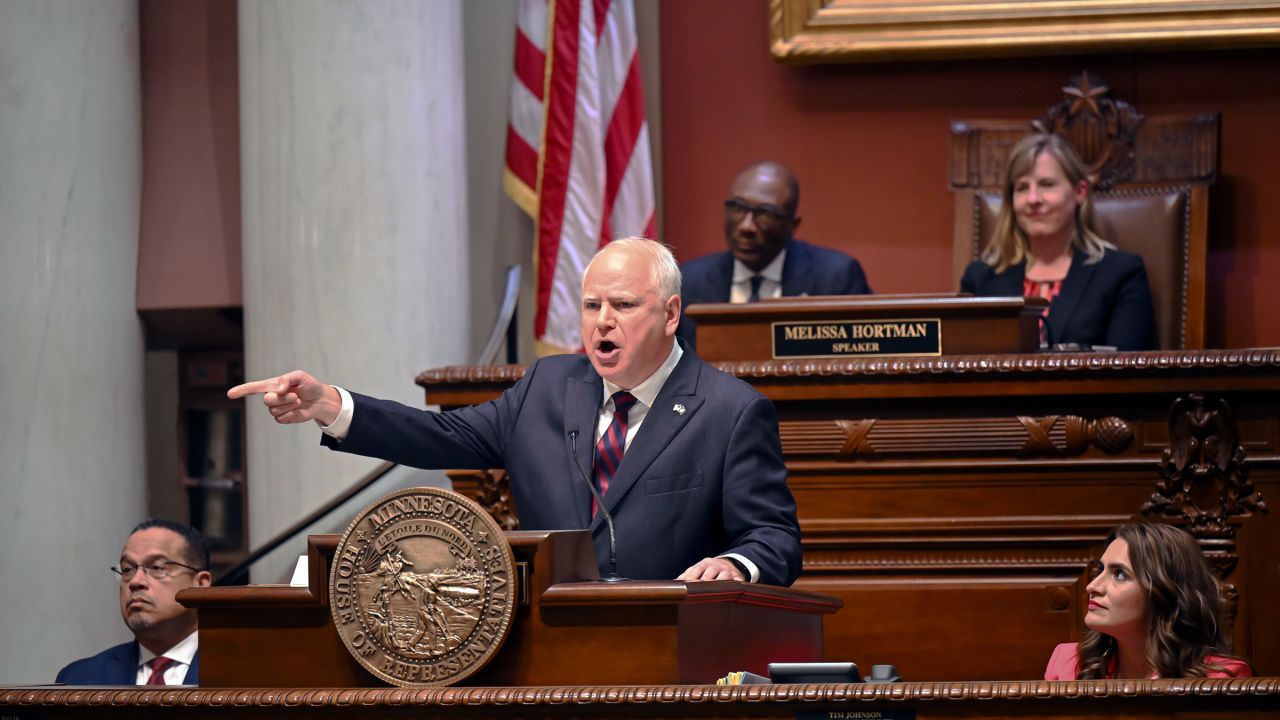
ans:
x=613 y=576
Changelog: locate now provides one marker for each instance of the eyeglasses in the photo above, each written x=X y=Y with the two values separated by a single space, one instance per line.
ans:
x=766 y=217
x=158 y=570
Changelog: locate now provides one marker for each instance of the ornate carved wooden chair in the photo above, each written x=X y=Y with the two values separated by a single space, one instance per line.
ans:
x=1151 y=178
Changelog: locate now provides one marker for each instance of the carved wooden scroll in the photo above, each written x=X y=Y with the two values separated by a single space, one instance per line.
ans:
x=1021 y=436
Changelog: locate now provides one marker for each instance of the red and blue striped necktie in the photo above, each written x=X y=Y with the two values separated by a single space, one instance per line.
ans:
x=613 y=443
x=158 y=665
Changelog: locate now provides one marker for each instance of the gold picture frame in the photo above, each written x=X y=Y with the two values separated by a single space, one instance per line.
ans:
x=814 y=31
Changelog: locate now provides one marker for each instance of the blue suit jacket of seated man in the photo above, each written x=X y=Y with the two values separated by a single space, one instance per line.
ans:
x=116 y=665
x=807 y=270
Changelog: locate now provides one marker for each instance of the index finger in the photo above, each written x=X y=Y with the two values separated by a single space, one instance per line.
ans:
x=253 y=388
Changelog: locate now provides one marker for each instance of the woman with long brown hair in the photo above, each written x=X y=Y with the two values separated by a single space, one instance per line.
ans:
x=1154 y=611
x=1047 y=244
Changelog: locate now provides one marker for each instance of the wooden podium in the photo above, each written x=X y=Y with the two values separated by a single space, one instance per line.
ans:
x=865 y=326
x=569 y=628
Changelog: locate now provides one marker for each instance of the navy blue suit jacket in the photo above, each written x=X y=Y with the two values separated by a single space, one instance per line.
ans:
x=1106 y=303
x=693 y=484
x=807 y=270
x=116 y=666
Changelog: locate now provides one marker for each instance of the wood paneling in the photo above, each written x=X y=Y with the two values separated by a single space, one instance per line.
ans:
x=954 y=503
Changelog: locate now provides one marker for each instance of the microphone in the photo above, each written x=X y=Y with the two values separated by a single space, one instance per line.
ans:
x=608 y=519
x=1048 y=331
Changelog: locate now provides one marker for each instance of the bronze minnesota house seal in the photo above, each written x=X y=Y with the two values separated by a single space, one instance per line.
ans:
x=422 y=587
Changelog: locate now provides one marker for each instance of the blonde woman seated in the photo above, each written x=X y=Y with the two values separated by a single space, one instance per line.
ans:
x=1046 y=244
x=1154 y=612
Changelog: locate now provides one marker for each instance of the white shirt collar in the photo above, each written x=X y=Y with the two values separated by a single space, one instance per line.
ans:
x=184 y=652
x=772 y=271
x=647 y=391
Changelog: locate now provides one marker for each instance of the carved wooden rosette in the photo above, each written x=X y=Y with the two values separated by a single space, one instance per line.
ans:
x=491 y=489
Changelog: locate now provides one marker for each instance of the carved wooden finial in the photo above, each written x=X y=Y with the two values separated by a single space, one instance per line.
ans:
x=1102 y=129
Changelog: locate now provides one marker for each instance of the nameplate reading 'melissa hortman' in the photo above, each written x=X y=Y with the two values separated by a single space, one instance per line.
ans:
x=857 y=338
x=422 y=588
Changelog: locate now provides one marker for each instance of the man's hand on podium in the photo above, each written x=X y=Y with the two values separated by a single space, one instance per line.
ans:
x=294 y=397
x=712 y=569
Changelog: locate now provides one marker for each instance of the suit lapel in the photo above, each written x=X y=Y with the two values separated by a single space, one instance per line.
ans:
x=721 y=282
x=1073 y=289
x=124 y=665
x=581 y=409
x=193 y=672
x=660 y=425
x=1009 y=282
x=797 y=271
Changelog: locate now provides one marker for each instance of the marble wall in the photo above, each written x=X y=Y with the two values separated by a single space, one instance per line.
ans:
x=71 y=349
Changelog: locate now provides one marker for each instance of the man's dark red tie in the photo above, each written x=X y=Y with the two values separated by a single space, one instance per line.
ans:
x=612 y=444
x=158 y=666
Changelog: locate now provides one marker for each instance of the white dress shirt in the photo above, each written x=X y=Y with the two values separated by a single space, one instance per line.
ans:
x=770 y=286
x=181 y=654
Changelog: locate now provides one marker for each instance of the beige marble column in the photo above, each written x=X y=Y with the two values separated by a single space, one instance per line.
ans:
x=72 y=465
x=354 y=200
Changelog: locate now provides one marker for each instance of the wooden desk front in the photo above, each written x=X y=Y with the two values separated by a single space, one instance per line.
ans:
x=953 y=503
x=1254 y=698
x=566 y=627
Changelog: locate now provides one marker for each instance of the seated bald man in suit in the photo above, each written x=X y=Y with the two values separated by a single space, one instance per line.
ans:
x=764 y=260
x=687 y=458
x=160 y=558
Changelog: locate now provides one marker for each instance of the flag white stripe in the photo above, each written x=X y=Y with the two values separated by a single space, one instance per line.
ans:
x=617 y=47
x=532 y=22
x=526 y=115
x=635 y=204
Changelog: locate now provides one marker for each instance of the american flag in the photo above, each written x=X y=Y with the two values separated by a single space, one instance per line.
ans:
x=577 y=147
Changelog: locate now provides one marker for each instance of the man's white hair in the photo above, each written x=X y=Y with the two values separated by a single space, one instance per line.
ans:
x=666 y=271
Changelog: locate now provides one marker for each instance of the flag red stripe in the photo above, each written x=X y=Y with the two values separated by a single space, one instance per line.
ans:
x=531 y=64
x=522 y=159
x=557 y=149
x=601 y=8
x=620 y=139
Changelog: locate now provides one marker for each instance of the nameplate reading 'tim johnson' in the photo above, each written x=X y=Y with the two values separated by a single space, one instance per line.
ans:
x=856 y=338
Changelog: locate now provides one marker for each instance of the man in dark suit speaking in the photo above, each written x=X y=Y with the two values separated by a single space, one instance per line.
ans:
x=687 y=458
x=160 y=558
x=764 y=260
